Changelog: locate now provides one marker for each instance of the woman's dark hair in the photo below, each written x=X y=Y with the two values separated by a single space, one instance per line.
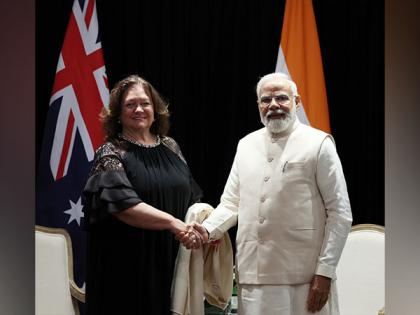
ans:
x=110 y=116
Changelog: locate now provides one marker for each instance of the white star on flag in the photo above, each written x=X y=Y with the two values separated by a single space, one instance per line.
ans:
x=75 y=211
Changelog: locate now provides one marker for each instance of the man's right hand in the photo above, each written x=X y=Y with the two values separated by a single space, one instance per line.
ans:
x=194 y=236
x=200 y=229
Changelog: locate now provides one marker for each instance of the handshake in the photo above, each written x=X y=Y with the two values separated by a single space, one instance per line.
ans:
x=193 y=236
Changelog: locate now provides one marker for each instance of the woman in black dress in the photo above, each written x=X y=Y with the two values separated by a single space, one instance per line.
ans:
x=136 y=198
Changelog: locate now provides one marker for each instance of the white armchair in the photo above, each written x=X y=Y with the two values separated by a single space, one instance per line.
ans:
x=361 y=271
x=55 y=289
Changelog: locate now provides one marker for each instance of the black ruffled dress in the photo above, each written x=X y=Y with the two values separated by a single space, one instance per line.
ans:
x=130 y=269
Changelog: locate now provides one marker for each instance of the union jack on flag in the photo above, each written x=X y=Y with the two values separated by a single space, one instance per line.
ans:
x=72 y=130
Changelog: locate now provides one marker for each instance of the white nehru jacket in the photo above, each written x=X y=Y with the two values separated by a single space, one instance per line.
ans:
x=289 y=198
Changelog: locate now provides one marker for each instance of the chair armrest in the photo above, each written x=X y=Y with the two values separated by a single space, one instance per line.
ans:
x=77 y=292
x=382 y=311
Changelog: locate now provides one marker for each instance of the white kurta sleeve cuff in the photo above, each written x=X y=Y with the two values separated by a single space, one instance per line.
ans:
x=326 y=271
x=214 y=233
x=219 y=221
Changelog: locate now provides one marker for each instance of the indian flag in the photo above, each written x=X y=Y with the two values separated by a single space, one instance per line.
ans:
x=300 y=57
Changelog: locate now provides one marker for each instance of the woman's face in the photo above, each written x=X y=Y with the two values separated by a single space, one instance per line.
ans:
x=137 y=114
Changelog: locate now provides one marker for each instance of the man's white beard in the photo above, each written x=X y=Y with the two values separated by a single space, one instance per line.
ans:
x=278 y=125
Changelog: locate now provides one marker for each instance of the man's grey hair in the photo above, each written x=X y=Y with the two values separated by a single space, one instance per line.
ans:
x=276 y=76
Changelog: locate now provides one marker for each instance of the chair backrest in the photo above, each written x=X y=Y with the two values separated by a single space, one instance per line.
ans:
x=53 y=272
x=361 y=271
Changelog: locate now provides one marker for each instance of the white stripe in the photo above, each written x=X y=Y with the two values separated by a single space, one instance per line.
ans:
x=59 y=134
x=70 y=153
x=69 y=103
x=60 y=65
x=99 y=75
x=84 y=134
x=281 y=66
x=90 y=35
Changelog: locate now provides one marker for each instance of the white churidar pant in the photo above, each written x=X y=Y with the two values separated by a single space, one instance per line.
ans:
x=281 y=300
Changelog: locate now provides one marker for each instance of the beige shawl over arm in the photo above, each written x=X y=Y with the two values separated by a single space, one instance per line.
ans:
x=205 y=272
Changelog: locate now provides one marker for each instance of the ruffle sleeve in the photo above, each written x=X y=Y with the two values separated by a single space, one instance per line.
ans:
x=108 y=190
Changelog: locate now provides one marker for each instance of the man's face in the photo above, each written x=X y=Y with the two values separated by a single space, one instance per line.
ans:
x=277 y=105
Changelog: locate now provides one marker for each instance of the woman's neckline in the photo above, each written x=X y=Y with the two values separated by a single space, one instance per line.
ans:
x=142 y=145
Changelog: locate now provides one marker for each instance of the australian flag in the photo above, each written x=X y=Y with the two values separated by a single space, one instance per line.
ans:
x=72 y=131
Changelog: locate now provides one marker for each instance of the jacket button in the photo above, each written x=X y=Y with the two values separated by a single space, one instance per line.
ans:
x=266 y=178
x=262 y=199
x=270 y=159
x=261 y=219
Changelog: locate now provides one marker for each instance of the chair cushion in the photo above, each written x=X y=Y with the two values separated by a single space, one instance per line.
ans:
x=361 y=273
x=52 y=275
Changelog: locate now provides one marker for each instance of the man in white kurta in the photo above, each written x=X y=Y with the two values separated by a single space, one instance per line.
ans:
x=287 y=193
